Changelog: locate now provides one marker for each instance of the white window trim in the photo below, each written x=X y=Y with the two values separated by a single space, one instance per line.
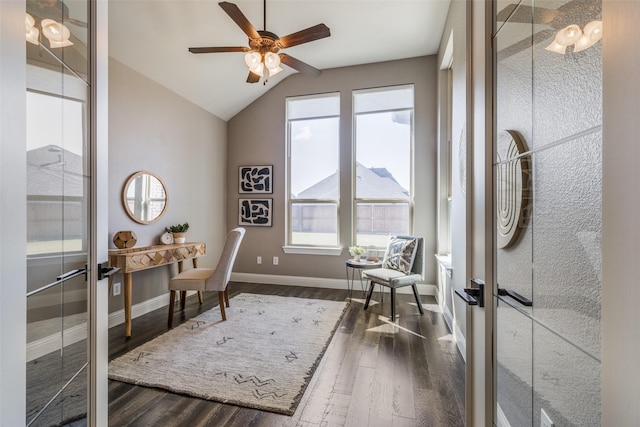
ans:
x=313 y=250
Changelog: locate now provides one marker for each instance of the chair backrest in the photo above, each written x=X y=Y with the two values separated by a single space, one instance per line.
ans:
x=417 y=264
x=222 y=275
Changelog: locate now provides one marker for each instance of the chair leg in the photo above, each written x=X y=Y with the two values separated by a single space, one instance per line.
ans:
x=200 y=296
x=183 y=299
x=172 y=302
x=393 y=304
x=418 y=300
x=226 y=296
x=371 y=288
x=221 y=300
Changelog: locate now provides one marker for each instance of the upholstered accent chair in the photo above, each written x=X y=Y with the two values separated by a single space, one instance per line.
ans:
x=208 y=279
x=402 y=266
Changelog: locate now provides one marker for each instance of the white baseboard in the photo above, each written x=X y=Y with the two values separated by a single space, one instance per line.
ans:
x=461 y=341
x=77 y=333
x=54 y=342
x=315 y=282
x=117 y=317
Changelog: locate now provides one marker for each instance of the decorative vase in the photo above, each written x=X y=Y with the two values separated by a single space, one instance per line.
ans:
x=357 y=257
x=179 y=237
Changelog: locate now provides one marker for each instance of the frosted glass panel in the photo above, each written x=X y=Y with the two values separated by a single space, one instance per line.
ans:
x=567 y=88
x=566 y=382
x=514 y=376
x=566 y=240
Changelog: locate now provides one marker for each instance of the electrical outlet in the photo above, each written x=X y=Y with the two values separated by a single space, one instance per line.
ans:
x=259 y=260
x=116 y=289
x=545 y=421
x=275 y=260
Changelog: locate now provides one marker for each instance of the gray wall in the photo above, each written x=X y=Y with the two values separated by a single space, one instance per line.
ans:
x=256 y=135
x=154 y=129
x=456 y=30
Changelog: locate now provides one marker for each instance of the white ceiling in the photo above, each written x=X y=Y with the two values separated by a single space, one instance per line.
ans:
x=152 y=37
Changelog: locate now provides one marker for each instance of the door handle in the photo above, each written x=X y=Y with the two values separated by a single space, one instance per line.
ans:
x=473 y=295
x=72 y=273
x=516 y=296
x=105 y=271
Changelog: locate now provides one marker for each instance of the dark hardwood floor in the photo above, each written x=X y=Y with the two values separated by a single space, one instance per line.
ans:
x=372 y=374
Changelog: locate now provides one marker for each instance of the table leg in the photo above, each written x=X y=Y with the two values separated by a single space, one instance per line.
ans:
x=349 y=283
x=127 y=304
x=195 y=265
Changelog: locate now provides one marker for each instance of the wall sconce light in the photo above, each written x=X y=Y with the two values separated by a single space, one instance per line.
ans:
x=573 y=35
x=58 y=34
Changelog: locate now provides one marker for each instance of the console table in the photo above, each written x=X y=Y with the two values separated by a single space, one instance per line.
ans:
x=143 y=258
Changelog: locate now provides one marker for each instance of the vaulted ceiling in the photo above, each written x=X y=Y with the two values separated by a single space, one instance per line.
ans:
x=153 y=37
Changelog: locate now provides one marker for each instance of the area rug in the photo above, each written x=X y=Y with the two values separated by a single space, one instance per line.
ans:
x=262 y=357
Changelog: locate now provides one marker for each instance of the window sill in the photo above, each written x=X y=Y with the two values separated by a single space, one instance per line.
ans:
x=312 y=250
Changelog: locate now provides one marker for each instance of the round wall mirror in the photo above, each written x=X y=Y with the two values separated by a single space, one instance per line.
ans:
x=144 y=197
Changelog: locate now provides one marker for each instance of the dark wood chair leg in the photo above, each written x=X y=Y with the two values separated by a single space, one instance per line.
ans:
x=183 y=299
x=371 y=288
x=418 y=300
x=172 y=302
x=221 y=300
x=393 y=304
x=226 y=296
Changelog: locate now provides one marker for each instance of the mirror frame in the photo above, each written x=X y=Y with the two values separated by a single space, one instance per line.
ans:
x=126 y=205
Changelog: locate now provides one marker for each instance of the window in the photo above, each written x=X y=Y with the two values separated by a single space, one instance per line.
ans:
x=313 y=138
x=56 y=187
x=383 y=139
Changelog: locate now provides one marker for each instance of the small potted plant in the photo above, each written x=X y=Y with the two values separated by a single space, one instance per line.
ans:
x=178 y=232
x=356 y=252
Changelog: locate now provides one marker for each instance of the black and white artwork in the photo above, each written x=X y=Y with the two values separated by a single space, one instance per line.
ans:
x=255 y=212
x=256 y=179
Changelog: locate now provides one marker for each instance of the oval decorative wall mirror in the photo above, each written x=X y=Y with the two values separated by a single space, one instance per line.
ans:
x=144 y=197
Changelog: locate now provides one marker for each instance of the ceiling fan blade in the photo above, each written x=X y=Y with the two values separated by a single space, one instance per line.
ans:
x=310 y=34
x=296 y=64
x=238 y=17
x=218 y=49
x=527 y=14
x=253 y=77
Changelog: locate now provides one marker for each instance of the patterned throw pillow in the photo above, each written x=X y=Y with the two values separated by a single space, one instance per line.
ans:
x=400 y=254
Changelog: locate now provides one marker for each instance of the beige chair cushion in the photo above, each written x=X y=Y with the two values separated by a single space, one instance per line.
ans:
x=390 y=277
x=193 y=279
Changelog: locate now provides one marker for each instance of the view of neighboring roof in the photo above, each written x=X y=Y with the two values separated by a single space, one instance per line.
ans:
x=373 y=183
x=54 y=171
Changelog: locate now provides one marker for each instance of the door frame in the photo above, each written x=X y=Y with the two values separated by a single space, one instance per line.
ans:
x=480 y=373
x=98 y=297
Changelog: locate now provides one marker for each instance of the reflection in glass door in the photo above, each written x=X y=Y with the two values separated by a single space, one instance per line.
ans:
x=547 y=168
x=58 y=183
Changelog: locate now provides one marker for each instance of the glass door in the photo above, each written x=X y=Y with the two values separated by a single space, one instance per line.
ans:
x=547 y=172
x=58 y=211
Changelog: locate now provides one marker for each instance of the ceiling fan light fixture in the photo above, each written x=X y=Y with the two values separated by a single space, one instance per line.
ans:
x=32 y=32
x=271 y=60
x=274 y=71
x=584 y=42
x=57 y=33
x=568 y=35
x=556 y=47
x=254 y=62
x=594 y=31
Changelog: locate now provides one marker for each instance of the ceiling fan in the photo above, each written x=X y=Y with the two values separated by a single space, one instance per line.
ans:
x=262 y=55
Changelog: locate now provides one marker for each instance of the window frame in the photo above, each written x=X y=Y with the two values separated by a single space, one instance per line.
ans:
x=355 y=200
x=312 y=249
